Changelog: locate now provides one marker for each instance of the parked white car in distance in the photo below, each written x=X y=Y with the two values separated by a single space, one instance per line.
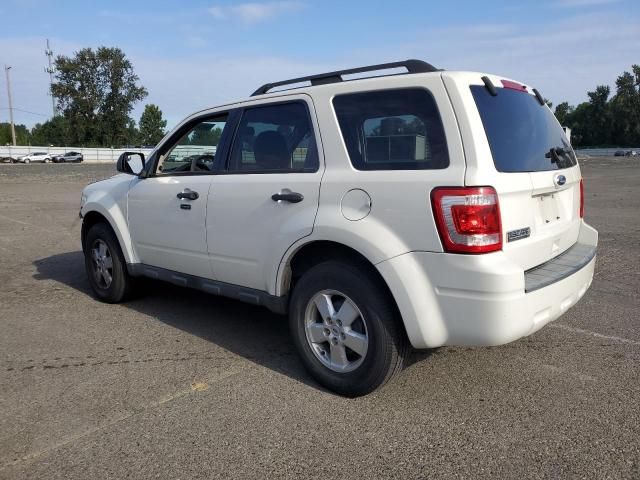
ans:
x=35 y=157
x=353 y=206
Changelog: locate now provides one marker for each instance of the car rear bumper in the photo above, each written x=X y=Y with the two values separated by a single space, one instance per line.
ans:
x=448 y=299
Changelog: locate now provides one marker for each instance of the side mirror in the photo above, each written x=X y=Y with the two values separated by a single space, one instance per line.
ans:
x=131 y=163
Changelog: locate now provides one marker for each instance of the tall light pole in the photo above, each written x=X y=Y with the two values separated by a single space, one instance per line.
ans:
x=13 y=128
x=49 y=53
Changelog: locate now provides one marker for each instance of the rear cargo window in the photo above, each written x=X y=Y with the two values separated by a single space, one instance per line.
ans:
x=524 y=136
x=392 y=130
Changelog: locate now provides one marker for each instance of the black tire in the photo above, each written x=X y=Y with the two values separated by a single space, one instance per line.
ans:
x=388 y=345
x=121 y=285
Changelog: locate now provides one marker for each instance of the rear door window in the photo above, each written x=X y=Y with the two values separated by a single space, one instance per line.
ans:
x=524 y=136
x=275 y=138
x=396 y=129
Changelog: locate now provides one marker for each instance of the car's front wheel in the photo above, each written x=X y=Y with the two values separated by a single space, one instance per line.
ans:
x=105 y=265
x=47 y=160
x=346 y=328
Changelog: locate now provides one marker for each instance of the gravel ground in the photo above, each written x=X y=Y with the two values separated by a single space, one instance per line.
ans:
x=178 y=384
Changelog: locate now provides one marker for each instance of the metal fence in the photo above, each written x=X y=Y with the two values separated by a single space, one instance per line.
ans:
x=603 y=152
x=105 y=155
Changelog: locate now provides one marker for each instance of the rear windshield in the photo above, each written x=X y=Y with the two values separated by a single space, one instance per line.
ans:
x=392 y=129
x=524 y=136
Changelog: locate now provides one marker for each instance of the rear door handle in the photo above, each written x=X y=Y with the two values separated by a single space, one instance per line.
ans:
x=187 y=194
x=287 y=196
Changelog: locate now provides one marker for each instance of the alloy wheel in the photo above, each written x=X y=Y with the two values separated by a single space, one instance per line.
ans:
x=102 y=263
x=336 y=331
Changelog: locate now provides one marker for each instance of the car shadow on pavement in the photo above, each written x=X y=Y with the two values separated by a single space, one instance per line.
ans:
x=251 y=332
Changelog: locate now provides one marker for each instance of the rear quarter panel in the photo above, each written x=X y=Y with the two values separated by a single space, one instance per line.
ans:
x=400 y=219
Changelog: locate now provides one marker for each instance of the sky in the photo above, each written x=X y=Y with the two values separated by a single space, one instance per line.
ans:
x=194 y=54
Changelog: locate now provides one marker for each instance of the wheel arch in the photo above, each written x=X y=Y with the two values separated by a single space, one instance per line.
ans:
x=93 y=216
x=314 y=252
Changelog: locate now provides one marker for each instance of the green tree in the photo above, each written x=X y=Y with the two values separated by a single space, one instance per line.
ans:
x=205 y=135
x=22 y=134
x=605 y=121
x=133 y=134
x=578 y=121
x=599 y=116
x=152 y=125
x=96 y=91
x=54 y=131
x=590 y=122
x=562 y=112
x=626 y=108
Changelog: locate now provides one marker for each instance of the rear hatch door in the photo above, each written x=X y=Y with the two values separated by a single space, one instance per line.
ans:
x=533 y=169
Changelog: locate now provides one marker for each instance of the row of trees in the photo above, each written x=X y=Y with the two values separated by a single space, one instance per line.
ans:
x=64 y=130
x=59 y=132
x=606 y=120
x=96 y=91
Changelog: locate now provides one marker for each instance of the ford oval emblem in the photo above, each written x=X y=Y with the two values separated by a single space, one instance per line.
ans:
x=560 y=180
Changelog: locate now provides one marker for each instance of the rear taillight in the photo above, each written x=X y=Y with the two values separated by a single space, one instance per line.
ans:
x=468 y=219
x=581 y=199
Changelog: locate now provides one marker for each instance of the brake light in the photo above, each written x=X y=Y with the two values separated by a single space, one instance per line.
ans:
x=513 y=85
x=581 y=199
x=468 y=219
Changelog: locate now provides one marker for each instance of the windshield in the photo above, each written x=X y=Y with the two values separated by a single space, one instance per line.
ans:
x=524 y=136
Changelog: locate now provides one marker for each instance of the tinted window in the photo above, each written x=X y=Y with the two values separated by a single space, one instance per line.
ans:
x=275 y=138
x=196 y=149
x=524 y=136
x=392 y=130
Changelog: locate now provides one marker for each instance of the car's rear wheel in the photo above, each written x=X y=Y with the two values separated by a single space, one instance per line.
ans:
x=105 y=265
x=26 y=160
x=47 y=160
x=346 y=328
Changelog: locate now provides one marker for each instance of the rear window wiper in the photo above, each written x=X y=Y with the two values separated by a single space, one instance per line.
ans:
x=555 y=153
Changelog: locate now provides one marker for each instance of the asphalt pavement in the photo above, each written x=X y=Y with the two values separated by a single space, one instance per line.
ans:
x=179 y=384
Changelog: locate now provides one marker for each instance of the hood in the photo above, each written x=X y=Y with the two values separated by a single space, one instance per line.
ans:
x=108 y=185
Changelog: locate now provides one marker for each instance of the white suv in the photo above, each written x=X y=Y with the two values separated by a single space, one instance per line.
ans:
x=421 y=209
x=43 y=157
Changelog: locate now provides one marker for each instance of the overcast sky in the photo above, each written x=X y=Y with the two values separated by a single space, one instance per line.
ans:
x=194 y=54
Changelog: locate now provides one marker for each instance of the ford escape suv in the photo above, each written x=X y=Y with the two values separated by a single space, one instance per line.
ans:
x=417 y=208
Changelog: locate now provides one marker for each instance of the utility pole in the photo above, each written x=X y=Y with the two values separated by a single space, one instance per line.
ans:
x=13 y=128
x=49 y=53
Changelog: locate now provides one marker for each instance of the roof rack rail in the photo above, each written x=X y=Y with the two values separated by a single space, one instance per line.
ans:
x=412 y=66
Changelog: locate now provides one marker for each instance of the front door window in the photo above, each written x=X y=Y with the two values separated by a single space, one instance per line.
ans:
x=196 y=149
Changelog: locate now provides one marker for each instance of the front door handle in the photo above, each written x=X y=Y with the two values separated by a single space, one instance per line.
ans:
x=187 y=194
x=287 y=196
